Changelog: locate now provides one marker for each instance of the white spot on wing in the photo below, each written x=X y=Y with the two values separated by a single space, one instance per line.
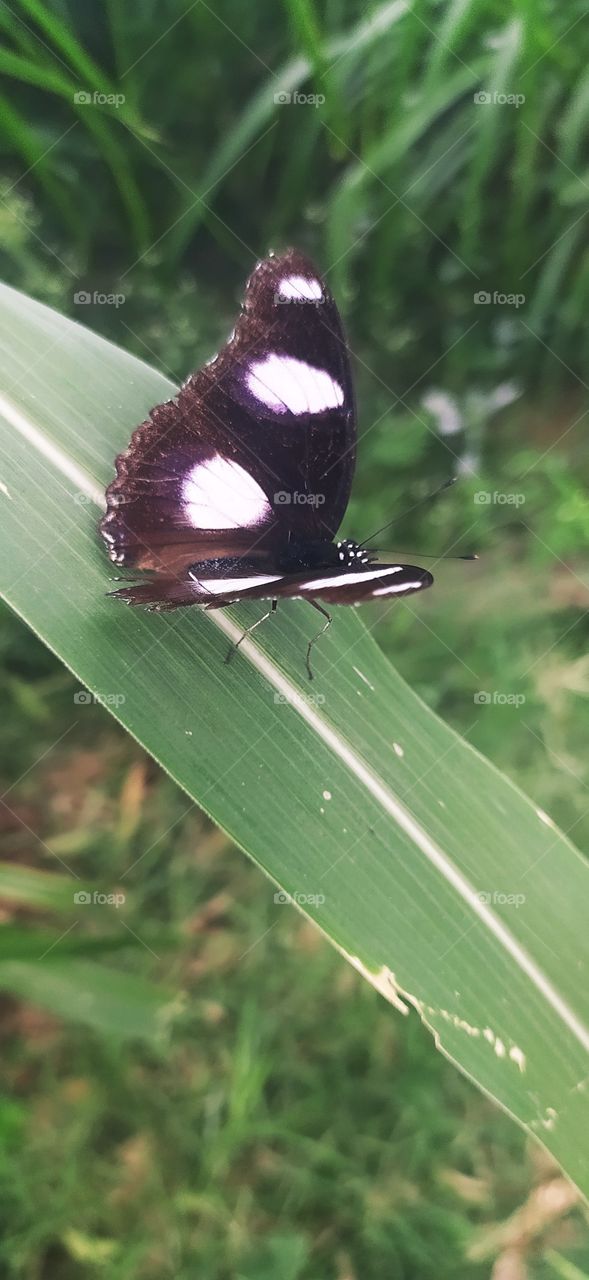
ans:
x=327 y=795
x=398 y=750
x=300 y=287
x=286 y=384
x=219 y=494
x=231 y=586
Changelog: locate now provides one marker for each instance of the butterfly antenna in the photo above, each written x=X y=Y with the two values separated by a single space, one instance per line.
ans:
x=428 y=498
x=426 y=555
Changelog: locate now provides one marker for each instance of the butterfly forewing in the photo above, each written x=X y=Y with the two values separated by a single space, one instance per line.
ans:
x=257 y=449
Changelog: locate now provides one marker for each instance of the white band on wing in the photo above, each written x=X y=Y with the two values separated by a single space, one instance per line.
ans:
x=227 y=586
x=348 y=579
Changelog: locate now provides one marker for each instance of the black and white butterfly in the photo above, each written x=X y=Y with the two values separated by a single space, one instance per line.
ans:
x=235 y=489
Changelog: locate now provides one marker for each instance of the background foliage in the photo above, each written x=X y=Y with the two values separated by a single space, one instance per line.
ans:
x=288 y=1124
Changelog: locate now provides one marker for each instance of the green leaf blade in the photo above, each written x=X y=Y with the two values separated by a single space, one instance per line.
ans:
x=401 y=842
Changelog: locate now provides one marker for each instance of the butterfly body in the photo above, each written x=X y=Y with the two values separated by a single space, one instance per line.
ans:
x=235 y=489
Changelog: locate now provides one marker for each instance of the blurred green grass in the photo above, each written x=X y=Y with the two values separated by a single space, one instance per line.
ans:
x=283 y=1122
x=286 y=1122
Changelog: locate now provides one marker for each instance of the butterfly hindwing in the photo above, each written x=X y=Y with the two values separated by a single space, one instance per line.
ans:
x=333 y=586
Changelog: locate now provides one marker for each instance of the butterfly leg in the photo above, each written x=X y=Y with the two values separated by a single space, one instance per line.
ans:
x=327 y=624
x=235 y=646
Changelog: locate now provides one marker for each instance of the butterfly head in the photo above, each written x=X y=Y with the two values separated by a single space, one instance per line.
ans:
x=322 y=554
x=351 y=555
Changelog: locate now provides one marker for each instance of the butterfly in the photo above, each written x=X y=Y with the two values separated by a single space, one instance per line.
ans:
x=235 y=489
